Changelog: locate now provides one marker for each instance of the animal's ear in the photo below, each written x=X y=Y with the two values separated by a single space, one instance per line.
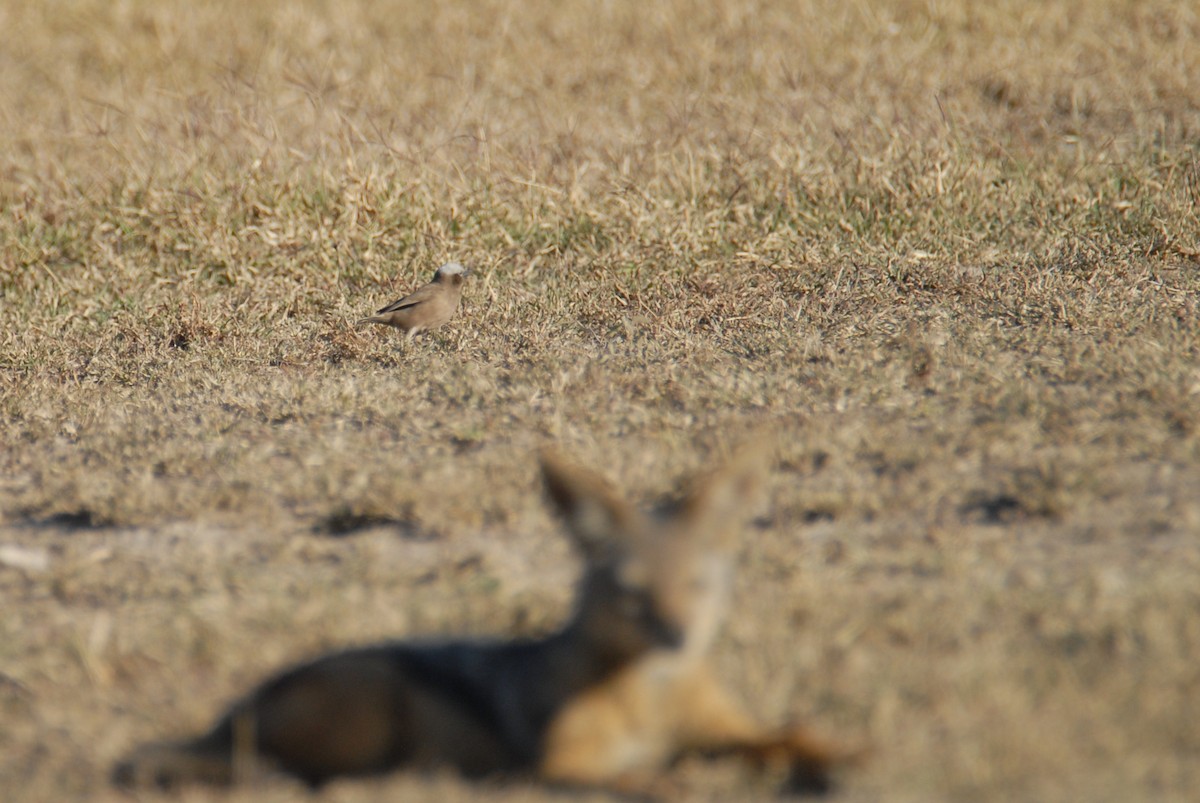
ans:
x=717 y=499
x=598 y=520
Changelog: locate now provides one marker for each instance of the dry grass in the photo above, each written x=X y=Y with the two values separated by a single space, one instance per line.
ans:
x=950 y=251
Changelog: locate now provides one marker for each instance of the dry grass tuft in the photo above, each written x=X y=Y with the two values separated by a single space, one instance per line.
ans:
x=948 y=251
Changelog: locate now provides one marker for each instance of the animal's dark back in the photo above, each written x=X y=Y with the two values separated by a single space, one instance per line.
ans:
x=373 y=709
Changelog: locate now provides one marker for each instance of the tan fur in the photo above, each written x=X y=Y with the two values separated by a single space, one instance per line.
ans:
x=624 y=731
x=427 y=307
x=609 y=699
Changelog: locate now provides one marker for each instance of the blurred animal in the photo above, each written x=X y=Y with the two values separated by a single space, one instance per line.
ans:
x=609 y=700
x=427 y=307
x=623 y=731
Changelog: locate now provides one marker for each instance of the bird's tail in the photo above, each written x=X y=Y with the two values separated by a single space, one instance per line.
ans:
x=364 y=321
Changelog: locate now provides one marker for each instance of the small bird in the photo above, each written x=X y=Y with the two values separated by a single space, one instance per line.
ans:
x=427 y=307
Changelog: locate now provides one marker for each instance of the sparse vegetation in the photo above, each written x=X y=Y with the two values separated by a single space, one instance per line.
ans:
x=949 y=250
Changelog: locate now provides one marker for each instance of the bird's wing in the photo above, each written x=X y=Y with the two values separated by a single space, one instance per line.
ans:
x=413 y=300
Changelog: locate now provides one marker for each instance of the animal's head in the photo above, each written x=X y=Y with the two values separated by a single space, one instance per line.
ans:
x=452 y=274
x=659 y=579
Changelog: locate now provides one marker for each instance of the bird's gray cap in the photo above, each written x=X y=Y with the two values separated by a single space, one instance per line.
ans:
x=451 y=268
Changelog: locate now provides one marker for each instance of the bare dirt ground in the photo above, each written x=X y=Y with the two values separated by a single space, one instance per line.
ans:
x=948 y=253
